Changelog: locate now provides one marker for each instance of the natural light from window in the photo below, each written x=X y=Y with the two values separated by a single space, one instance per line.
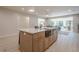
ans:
x=65 y=23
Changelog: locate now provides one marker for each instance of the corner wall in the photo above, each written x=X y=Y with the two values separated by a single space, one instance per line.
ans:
x=11 y=22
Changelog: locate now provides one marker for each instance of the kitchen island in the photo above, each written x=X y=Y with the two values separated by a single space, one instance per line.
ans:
x=36 y=40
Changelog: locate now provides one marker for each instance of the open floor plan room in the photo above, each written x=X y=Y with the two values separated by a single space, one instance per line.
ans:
x=39 y=29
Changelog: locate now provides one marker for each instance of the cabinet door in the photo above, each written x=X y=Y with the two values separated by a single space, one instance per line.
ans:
x=46 y=43
x=36 y=45
x=55 y=35
x=50 y=40
x=38 y=42
x=41 y=44
x=25 y=42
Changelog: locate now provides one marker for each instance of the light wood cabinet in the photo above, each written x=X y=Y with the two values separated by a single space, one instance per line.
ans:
x=36 y=42
x=54 y=35
x=25 y=42
x=50 y=40
x=46 y=43
x=41 y=44
x=35 y=45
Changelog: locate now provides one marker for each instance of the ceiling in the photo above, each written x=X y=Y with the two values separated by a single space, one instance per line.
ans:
x=46 y=11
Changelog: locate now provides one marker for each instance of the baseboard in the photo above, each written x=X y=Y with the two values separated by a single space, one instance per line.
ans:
x=9 y=35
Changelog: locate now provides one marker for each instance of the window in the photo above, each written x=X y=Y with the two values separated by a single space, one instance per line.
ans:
x=64 y=23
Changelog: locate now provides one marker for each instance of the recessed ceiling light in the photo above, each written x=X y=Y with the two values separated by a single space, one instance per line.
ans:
x=22 y=9
x=31 y=10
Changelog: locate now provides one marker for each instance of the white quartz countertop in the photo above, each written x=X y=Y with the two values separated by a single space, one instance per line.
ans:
x=33 y=30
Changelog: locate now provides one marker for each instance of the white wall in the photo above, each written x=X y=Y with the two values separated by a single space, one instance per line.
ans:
x=27 y=21
x=11 y=21
x=33 y=21
x=75 y=23
x=8 y=23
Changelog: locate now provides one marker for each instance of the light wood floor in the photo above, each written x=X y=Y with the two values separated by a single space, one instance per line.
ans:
x=66 y=42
